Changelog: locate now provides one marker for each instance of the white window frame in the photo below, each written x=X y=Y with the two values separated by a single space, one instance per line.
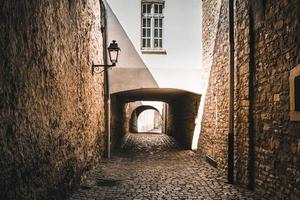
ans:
x=156 y=42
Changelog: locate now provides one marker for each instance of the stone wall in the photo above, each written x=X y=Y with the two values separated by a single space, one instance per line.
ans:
x=118 y=118
x=211 y=10
x=213 y=138
x=132 y=112
x=242 y=92
x=277 y=140
x=182 y=113
x=267 y=143
x=131 y=118
x=51 y=107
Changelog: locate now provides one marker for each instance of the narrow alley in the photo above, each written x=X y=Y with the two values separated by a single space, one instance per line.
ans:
x=153 y=166
x=149 y=99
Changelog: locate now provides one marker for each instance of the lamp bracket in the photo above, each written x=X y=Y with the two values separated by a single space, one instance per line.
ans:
x=106 y=67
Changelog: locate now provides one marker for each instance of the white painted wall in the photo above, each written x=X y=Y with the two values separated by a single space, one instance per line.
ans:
x=146 y=121
x=131 y=72
x=181 y=67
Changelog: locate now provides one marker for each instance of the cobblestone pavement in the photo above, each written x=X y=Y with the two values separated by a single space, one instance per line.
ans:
x=152 y=166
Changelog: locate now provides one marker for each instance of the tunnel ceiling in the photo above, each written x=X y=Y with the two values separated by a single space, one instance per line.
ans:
x=152 y=94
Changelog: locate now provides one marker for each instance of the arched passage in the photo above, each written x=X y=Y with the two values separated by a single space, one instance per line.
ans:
x=133 y=122
x=180 y=112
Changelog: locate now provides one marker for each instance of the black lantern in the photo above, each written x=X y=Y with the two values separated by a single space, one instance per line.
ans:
x=113 y=52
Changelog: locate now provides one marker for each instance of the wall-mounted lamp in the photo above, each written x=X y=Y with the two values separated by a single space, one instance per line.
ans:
x=113 y=52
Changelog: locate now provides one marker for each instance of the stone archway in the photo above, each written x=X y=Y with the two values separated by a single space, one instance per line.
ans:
x=180 y=112
x=133 y=122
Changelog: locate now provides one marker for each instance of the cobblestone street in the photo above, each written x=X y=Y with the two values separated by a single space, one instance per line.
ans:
x=153 y=166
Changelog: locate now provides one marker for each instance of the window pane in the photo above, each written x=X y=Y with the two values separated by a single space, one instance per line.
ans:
x=155 y=32
x=148 y=22
x=144 y=8
x=155 y=22
x=148 y=42
x=160 y=23
x=155 y=43
x=148 y=8
x=144 y=42
x=144 y=32
x=148 y=32
x=160 y=43
x=155 y=8
x=160 y=9
x=160 y=33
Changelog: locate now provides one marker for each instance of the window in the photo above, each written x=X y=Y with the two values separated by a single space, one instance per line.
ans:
x=152 y=25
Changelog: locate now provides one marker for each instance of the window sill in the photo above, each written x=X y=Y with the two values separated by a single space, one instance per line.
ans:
x=153 y=51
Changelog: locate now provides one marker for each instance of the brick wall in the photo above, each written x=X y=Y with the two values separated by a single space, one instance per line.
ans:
x=267 y=147
x=51 y=107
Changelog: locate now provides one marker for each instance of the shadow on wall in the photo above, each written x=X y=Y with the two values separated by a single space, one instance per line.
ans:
x=181 y=116
x=51 y=113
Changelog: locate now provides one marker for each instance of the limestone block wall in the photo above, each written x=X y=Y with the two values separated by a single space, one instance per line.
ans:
x=276 y=30
x=242 y=92
x=211 y=10
x=213 y=138
x=51 y=107
x=130 y=121
x=182 y=113
x=117 y=118
x=132 y=111
x=266 y=140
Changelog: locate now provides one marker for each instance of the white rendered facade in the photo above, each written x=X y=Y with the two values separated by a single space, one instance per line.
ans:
x=178 y=65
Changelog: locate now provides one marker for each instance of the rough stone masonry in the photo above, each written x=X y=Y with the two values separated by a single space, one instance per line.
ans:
x=51 y=107
x=267 y=48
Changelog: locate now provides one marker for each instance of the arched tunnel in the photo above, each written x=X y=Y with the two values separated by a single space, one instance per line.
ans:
x=135 y=114
x=179 y=113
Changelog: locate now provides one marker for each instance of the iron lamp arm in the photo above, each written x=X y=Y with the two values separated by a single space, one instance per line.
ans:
x=106 y=67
